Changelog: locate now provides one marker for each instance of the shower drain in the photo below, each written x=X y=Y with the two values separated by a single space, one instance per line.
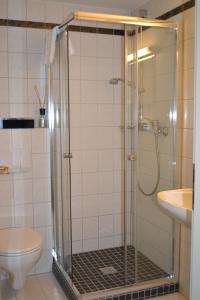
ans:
x=108 y=270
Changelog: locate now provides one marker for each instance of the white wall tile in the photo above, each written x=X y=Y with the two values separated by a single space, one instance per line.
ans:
x=39 y=139
x=88 y=91
x=19 y=110
x=41 y=166
x=6 y=193
x=77 y=207
x=89 y=138
x=3 y=64
x=76 y=247
x=76 y=162
x=50 y=9
x=35 y=10
x=90 y=245
x=6 y=216
x=105 y=69
x=89 y=115
x=3 y=9
x=44 y=265
x=90 y=205
x=76 y=185
x=75 y=38
x=88 y=68
x=35 y=40
x=17 y=65
x=88 y=44
x=90 y=161
x=42 y=214
x=106 y=204
x=90 y=228
x=75 y=91
x=4 y=90
x=106 y=242
x=40 y=83
x=75 y=115
x=105 y=138
x=90 y=183
x=105 y=92
x=106 y=182
x=17 y=9
x=104 y=45
x=77 y=229
x=5 y=140
x=74 y=67
x=18 y=90
x=21 y=140
x=106 y=225
x=3 y=38
x=24 y=215
x=23 y=191
x=36 y=66
x=41 y=190
x=46 y=233
x=17 y=39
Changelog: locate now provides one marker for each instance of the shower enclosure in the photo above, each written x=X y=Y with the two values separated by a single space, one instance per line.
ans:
x=113 y=125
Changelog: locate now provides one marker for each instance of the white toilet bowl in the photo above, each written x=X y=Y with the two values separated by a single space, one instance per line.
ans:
x=20 y=249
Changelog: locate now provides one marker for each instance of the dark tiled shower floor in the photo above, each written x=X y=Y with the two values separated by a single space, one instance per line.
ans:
x=88 y=277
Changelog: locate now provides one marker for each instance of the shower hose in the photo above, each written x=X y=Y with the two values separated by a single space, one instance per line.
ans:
x=158 y=169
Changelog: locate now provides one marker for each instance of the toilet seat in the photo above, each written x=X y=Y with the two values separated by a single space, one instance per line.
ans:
x=19 y=241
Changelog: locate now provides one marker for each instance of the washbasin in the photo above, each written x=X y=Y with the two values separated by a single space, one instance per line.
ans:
x=177 y=204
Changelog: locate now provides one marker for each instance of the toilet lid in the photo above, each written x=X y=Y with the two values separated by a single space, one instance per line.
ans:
x=19 y=240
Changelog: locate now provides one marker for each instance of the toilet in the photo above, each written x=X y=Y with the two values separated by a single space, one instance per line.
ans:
x=20 y=249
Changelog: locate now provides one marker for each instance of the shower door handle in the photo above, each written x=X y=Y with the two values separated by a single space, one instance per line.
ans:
x=68 y=155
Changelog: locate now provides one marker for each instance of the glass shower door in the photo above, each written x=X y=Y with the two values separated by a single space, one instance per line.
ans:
x=61 y=156
x=151 y=153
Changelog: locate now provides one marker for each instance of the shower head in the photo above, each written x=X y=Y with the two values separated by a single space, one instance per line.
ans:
x=115 y=81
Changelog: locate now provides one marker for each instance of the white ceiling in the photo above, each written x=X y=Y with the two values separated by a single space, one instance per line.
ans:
x=121 y=4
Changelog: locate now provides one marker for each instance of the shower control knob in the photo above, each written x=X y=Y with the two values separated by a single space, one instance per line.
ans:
x=68 y=155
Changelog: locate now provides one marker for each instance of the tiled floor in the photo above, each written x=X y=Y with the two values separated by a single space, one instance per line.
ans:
x=87 y=269
x=38 y=287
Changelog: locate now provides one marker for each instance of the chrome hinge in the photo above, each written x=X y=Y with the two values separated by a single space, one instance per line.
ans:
x=68 y=155
x=132 y=157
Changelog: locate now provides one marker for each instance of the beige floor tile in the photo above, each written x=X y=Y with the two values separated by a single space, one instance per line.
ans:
x=31 y=291
x=175 y=296
x=6 y=293
x=50 y=287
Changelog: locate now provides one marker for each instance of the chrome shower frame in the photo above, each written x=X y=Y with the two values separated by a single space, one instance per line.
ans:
x=124 y=20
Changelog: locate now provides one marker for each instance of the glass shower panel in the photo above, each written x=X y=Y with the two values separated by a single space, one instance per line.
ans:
x=96 y=93
x=60 y=149
x=153 y=151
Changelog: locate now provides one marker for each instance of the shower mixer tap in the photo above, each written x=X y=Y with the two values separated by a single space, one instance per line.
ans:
x=153 y=125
